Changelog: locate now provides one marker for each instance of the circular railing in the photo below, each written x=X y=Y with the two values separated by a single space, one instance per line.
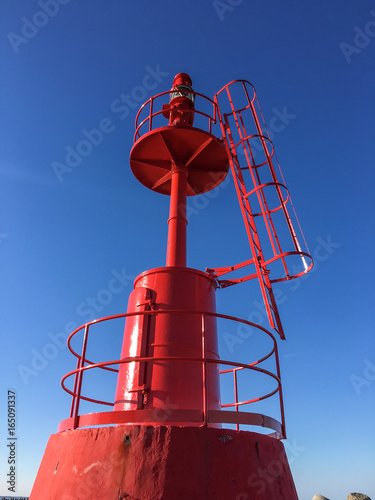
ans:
x=230 y=414
x=153 y=108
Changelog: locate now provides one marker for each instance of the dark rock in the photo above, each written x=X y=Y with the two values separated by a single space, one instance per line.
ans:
x=358 y=496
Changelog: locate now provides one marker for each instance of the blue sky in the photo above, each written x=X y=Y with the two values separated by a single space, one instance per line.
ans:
x=63 y=239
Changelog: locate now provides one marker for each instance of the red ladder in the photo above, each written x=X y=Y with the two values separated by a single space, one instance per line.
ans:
x=253 y=180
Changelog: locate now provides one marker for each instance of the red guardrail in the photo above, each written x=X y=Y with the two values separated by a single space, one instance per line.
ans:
x=203 y=416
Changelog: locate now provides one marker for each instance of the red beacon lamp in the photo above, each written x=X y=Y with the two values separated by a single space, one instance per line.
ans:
x=180 y=110
x=164 y=428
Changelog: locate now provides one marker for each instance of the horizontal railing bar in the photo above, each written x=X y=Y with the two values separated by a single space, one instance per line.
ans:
x=255 y=400
x=240 y=366
x=169 y=311
x=154 y=359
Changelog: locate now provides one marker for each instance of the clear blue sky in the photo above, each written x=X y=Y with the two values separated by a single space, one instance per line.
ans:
x=61 y=242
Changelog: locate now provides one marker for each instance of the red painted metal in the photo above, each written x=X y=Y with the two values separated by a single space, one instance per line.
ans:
x=166 y=405
x=129 y=404
x=163 y=462
x=170 y=336
x=177 y=222
x=180 y=110
x=262 y=197
x=158 y=148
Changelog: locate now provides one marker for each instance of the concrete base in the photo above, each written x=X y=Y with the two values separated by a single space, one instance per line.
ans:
x=136 y=462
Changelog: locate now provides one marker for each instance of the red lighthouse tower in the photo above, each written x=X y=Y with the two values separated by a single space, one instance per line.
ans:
x=168 y=434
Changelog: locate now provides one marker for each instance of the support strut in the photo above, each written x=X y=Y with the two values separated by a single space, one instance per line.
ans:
x=177 y=222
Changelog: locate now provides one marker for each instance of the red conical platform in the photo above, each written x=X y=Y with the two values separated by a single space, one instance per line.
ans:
x=163 y=463
x=204 y=156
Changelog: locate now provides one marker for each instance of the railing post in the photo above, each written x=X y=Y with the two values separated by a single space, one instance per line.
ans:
x=74 y=390
x=236 y=394
x=280 y=393
x=151 y=109
x=80 y=376
x=204 y=368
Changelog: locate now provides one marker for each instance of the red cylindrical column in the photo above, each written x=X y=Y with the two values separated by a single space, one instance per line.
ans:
x=176 y=246
x=170 y=384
